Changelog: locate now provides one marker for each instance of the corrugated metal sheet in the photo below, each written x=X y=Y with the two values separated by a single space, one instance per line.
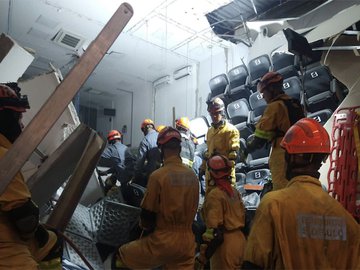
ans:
x=226 y=19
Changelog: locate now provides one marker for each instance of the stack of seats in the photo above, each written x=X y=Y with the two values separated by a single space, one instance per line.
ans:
x=218 y=87
x=238 y=88
x=284 y=63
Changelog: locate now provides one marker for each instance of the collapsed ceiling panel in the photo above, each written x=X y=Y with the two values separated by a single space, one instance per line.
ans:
x=228 y=18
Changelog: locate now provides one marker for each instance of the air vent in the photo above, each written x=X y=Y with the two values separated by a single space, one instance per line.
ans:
x=68 y=40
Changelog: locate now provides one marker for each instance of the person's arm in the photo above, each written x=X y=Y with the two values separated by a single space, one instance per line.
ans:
x=234 y=144
x=260 y=245
x=141 y=158
x=213 y=216
x=150 y=203
x=265 y=128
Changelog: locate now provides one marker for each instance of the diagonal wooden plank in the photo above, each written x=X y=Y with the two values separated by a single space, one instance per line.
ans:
x=32 y=135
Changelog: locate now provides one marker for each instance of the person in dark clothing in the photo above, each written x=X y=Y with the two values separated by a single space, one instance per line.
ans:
x=149 y=158
x=116 y=156
x=187 y=153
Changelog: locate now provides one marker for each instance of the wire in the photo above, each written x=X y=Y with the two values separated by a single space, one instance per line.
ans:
x=71 y=243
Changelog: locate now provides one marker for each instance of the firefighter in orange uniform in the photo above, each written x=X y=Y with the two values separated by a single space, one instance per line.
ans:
x=224 y=216
x=168 y=208
x=281 y=112
x=222 y=139
x=24 y=243
x=301 y=226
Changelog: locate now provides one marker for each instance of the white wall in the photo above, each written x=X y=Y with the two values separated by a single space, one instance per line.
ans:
x=180 y=95
x=132 y=107
x=188 y=95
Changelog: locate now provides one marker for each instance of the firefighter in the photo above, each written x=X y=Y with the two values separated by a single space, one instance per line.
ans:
x=148 y=153
x=301 y=226
x=24 y=243
x=224 y=216
x=222 y=138
x=168 y=209
x=160 y=128
x=187 y=146
x=281 y=112
x=118 y=157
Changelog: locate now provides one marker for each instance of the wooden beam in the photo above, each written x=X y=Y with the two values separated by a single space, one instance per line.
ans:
x=70 y=197
x=32 y=135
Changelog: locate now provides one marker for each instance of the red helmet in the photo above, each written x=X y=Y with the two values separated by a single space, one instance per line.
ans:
x=113 y=135
x=183 y=122
x=219 y=166
x=216 y=105
x=269 y=79
x=166 y=134
x=306 y=136
x=147 y=122
x=9 y=99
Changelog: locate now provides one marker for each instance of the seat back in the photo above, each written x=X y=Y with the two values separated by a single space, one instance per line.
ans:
x=237 y=76
x=135 y=194
x=257 y=176
x=257 y=105
x=321 y=116
x=238 y=111
x=316 y=81
x=259 y=66
x=292 y=87
x=319 y=94
x=259 y=158
x=218 y=85
x=282 y=60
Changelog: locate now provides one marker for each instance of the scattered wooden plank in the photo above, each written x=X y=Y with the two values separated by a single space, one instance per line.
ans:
x=32 y=135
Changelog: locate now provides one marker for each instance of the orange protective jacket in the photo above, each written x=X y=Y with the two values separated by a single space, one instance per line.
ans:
x=14 y=253
x=274 y=122
x=173 y=195
x=221 y=210
x=302 y=227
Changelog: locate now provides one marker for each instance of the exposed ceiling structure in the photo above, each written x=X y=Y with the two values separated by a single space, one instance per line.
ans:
x=162 y=36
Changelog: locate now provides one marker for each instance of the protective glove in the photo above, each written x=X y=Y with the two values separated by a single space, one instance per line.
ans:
x=208 y=235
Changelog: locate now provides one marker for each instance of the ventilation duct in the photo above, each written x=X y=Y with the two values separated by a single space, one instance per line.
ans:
x=68 y=40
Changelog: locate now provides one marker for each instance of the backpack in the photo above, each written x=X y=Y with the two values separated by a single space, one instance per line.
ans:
x=295 y=112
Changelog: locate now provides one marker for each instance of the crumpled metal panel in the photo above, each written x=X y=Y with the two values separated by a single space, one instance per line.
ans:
x=80 y=223
x=86 y=247
x=113 y=221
